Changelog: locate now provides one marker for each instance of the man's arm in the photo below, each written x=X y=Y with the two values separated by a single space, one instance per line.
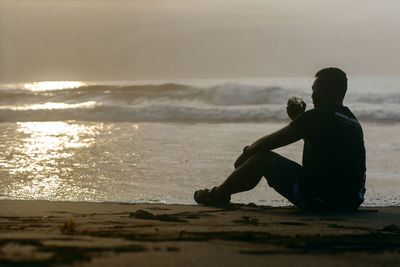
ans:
x=282 y=137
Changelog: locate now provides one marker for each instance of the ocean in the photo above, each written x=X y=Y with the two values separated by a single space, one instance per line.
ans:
x=159 y=141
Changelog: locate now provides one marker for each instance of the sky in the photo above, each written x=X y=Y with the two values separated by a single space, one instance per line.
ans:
x=97 y=40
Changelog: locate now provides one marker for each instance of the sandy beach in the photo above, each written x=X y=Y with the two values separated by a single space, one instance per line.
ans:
x=95 y=234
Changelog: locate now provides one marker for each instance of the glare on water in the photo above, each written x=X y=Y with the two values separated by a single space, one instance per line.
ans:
x=53 y=85
x=51 y=105
x=39 y=158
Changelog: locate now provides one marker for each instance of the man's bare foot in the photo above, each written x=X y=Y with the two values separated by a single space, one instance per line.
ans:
x=211 y=198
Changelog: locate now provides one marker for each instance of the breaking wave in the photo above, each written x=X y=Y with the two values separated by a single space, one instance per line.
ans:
x=229 y=102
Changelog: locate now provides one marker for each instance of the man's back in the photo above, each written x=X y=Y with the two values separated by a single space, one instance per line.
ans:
x=333 y=156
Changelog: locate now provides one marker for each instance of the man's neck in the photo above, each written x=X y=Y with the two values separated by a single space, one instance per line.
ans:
x=332 y=105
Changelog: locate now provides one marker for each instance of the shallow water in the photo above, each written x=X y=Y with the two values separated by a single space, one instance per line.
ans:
x=158 y=162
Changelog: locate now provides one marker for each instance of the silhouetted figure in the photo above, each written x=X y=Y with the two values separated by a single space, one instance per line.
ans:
x=333 y=173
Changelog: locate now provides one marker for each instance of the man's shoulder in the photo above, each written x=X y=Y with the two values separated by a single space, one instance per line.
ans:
x=304 y=121
x=327 y=112
x=314 y=118
x=307 y=115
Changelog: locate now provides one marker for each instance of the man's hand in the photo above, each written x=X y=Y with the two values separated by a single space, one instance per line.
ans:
x=295 y=107
x=242 y=158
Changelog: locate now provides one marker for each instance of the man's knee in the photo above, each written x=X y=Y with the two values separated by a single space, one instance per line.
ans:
x=264 y=157
x=261 y=162
x=268 y=162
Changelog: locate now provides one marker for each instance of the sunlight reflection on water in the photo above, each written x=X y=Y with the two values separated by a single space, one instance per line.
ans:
x=40 y=156
x=156 y=162
x=53 y=85
x=51 y=105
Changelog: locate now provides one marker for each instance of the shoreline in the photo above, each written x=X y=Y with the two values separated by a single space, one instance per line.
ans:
x=35 y=232
x=250 y=204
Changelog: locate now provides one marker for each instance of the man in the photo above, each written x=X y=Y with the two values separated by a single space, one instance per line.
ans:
x=333 y=173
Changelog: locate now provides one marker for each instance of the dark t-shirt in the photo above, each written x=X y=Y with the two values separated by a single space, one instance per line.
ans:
x=333 y=155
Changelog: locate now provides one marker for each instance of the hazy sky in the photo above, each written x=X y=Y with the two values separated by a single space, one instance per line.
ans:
x=171 y=39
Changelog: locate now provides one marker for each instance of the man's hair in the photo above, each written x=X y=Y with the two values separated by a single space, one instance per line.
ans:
x=333 y=81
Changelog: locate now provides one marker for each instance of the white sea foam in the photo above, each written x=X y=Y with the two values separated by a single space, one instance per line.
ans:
x=370 y=98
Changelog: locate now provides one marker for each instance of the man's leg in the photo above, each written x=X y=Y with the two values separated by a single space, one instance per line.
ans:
x=243 y=178
x=281 y=173
x=247 y=175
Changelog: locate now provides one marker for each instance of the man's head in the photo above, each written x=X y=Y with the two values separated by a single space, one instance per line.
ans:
x=329 y=87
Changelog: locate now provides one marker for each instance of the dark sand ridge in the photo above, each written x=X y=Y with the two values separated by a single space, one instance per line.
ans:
x=84 y=233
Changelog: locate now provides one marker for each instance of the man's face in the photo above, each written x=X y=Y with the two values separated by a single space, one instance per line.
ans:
x=316 y=93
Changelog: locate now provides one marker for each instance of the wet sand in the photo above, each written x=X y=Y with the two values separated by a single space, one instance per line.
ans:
x=94 y=234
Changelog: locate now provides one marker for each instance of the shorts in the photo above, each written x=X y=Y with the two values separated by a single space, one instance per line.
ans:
x=283 y=175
